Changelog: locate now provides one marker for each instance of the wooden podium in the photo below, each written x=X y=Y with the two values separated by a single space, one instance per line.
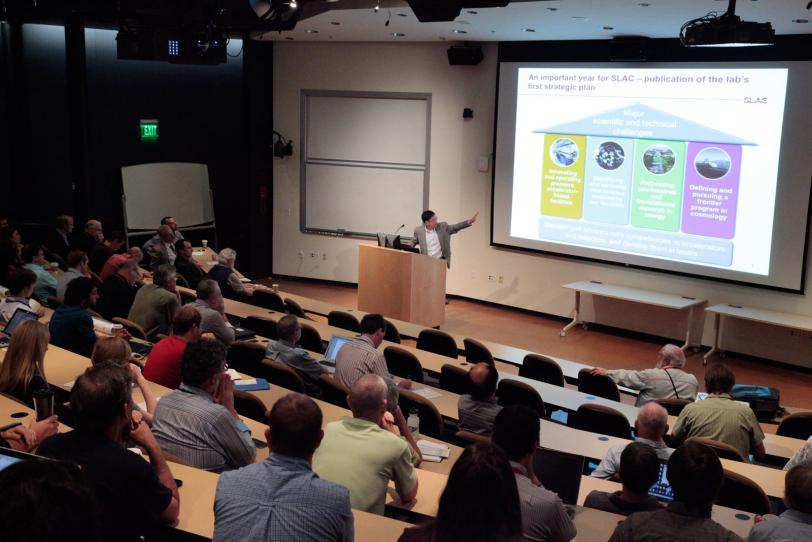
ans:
x=401 y=285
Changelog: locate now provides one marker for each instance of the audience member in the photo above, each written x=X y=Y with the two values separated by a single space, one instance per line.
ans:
x=285 y=350
x=666 y=381
x=516 y=431
x=117 y=351
x=639 y=470
x=802 y=456
x=164 y=360
x=58 y=239
x=101 y=252
x=650 y=426
x=34 y=259
x=198 y=422
x=114 y=262
x=20 y=284
x=795 y=523
x=48 y=501
x=10 y=245
x=136 y=496
x=230 y=284
x=155 y=304
x=71 y=324
x=78 y=266
x=478 y=409
x=480 y=502
x=117 y=292
x=92 y=236
x=173 y=224
x=187 y=266
x=363 y=453
x=161 y=248
x=26 y=439
x=23 y=369
x=361 y=356
x=695 y=474
x=209 y=303
x=721 y=418
x=282 y=499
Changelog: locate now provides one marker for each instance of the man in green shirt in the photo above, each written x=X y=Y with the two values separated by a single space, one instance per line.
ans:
x=721 y=418
x=155 y=304
x=363 y=453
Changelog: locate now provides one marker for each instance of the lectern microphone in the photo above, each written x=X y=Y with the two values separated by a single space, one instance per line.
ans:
x=400 y=228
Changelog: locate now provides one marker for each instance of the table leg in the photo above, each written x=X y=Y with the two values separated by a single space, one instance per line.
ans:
x=690 y=326
x=574 y=316
x=716 y=318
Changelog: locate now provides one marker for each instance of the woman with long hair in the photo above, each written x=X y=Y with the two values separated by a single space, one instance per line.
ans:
x=480 y=502
x=116 y=350
x=22 y=371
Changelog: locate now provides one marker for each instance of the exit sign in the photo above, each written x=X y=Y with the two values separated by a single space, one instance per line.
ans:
x=149 y=130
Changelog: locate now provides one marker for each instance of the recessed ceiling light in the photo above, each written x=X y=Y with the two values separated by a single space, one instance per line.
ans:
x=312 y=31
x=608 y=27
x=458 y=31
x=398 y=35
x=578 y=18
x=801 y=21
x=472 y=12
x=335 y=23
x=529 y=29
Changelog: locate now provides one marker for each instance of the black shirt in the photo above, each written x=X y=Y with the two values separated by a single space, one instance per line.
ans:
x=131 y=496
x=191 y=272
x=26 y=393
x=99 y=254
x=611 y=502
x=116 y=296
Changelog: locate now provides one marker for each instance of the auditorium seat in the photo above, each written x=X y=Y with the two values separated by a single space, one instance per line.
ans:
x=344 y=320
x=292 y=307
x=280 y=374
x=724 y=451
x=132 y=328
x=311 y=340
x=602 y=420
x=333 y=391
x=673 y=406
x=798 y=425
x=464 y=438
x=438 y=342
x=431 y=422
x=543 y=369
x=250 y=406
x=264 y=327
x=512 y=392
x=597 y=385
x=454 y=379
x=267 y=300
x=403 y=363
x=741 y=493
x=476 y=352
x=246 y=357
x=391 y=333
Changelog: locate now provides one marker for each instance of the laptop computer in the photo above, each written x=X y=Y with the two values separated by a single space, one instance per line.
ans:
x=8 y=457
x=20 y=315
x=336 y=343
x=661 y=489
x=559 y=472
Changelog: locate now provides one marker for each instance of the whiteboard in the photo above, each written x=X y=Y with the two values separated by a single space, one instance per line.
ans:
x=364 y=161
x=177 y=189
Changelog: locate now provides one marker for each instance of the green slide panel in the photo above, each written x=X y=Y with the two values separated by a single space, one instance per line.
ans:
x=562 y=176
x=659 y=169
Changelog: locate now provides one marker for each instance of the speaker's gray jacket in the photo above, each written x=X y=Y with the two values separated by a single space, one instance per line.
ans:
x=444 y=233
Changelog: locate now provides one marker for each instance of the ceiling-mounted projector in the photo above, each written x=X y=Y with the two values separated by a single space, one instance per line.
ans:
x=429 y=11
x=726 y=30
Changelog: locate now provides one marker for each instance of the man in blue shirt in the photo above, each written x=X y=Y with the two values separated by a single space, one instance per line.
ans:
x=71 y=325
x=282 y=499
x=795 y=524
x=34 y=258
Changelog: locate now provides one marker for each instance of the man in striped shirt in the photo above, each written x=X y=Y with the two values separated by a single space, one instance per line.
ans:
x=361 y=356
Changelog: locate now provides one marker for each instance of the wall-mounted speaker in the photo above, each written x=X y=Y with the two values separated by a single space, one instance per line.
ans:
x=465 y=55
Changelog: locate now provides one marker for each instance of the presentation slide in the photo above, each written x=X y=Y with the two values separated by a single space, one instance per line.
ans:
x=670 y=168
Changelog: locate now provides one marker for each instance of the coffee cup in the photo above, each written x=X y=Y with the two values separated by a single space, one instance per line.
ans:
x=44 y=403
x=205 y=244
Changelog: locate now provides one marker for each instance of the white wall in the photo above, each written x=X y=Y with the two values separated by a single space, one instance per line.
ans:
x=457 y=190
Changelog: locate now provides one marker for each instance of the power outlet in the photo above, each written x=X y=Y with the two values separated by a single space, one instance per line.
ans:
x=314 y=254
x=491 y=278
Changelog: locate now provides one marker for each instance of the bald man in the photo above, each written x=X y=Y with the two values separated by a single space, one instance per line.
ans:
x=478 y=408
x=650 y=426
x=364 y=453
x=667 y=380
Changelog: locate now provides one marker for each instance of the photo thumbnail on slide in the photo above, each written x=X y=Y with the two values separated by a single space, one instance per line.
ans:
x=672 y=164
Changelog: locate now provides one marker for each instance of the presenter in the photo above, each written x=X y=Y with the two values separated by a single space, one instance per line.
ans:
x=434 y=237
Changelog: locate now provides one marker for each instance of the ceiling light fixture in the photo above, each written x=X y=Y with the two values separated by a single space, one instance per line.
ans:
x=458 y=31
x=377 y=7
x=726 y=30
x=398 y=35
x=293 y=4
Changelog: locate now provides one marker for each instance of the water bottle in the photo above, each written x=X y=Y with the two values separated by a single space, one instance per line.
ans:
x=413 y=422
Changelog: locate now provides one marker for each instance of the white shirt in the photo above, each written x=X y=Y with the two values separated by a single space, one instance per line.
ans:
x=170 y=253
x=433 y=247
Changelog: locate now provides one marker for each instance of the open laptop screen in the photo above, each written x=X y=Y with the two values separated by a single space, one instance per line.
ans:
x=661 y=488
x=336 y=343
x=559 y=472
x=19 y=316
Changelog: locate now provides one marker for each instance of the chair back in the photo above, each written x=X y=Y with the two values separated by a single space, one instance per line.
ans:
x=673 y=406
x=742 y=493
x=283 y=376
x=134 y=329
x=512 y=392
x=543 y=369
x=798 y=425
x=181 y=280
x=465 y=438
x=391 y=333
x=723 y=450
x=438 y=342
x=54 y=302
x=431 y=422
x=246 y=357
x=187 y=296
x=597 y=385
x=476 y=352
x=294 y=308
x=333 y=391
x=311 y=340
x=344 y=320
x=250 y=406
x=264 y=327
x=267 y=300
x=403 y=363
x=602 y=420
x=454 y=379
